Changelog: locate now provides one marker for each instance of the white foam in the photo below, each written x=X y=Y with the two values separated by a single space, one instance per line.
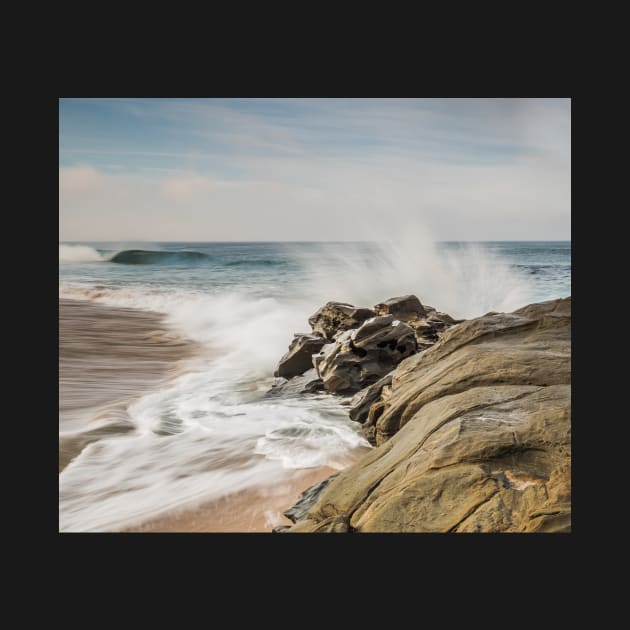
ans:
x=78 y=253
x=465 y=281
x=211 y=431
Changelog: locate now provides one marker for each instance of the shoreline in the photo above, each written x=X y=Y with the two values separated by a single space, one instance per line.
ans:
x=110 y=356
x=239 y=512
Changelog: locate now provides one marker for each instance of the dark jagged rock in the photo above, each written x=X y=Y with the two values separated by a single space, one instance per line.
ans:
x=280 y=529
x=361 y=357
x=300 y=508
x=335 y=317
x=299 y=357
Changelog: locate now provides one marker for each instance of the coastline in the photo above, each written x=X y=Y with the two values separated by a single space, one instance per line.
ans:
x=471 y=434
x=254 y=510
x=110 y=356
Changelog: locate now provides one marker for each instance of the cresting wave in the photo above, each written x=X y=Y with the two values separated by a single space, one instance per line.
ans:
x=149 y=257
x=84 y=253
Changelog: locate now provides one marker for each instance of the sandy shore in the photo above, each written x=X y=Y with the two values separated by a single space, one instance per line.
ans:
x=110 y=356
x=107 y=357
x=256 y=510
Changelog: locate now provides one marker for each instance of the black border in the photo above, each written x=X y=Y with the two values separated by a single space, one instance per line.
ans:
x=543 y=552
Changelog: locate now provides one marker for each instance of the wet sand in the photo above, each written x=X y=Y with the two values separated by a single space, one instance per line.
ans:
x=256 y=510
x=110 y=356
x=107 y=357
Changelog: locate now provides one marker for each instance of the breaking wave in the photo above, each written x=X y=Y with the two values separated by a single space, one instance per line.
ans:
x=149 y=257
x=78 y=253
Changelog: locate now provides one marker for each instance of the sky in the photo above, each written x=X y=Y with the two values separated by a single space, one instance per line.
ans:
x=314 y=169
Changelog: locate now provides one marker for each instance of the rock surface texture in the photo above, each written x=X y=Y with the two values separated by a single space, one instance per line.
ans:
x=474 y=435
x=335 y=317
x=360 y=357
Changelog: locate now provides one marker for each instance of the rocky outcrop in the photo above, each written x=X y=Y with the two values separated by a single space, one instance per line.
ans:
x=474 y=435
x=361 y=357
x=335 y=317
x=352 y=347
x=299 y=357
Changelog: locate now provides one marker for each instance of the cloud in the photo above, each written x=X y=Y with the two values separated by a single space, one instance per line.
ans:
x=81 y=179
x=185 y=188
x=321 y=170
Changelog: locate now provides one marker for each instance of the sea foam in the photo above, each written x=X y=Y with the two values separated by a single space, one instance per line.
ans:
x=78 y=253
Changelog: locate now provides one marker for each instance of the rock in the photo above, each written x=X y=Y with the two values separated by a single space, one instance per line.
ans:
x=405 y=308
x=306 y=383
x=280 y=529
x=361 y=357
x=298 y=511
x=429 y=328
x=475 y=435
x=363 y=400
x=369 y=433
x=335 y=317
x=299 y=357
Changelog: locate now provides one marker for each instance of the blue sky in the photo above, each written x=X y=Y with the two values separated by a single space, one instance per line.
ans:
x=314 y=169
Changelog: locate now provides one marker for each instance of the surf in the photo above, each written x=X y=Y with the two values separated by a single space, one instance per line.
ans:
x=155 y=257
x=78 y=253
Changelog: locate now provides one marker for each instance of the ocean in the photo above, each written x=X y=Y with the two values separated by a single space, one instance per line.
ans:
x=208 y=429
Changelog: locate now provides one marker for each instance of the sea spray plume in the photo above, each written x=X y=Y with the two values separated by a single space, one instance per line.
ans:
x=78 y=253
x=460 y=279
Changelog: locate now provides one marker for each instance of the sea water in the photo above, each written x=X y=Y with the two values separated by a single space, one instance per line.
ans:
x=214 y=430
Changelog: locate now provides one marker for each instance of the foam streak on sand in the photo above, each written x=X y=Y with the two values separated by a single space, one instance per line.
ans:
x=107 y=357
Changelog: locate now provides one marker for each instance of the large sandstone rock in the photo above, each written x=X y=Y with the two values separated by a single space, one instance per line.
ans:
x=475 y=435
x=360 y=357
x=335 y=317
x=299 y=358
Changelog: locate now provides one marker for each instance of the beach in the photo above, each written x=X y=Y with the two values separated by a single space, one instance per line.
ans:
x=310 y=315
x=170 y=417
x=107 y=357
x=110 y=356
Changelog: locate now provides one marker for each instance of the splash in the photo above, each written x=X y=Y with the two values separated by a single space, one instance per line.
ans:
x=463 y=280
x=78 y=253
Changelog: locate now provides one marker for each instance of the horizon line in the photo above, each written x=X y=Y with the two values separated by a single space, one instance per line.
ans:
x=507 y=240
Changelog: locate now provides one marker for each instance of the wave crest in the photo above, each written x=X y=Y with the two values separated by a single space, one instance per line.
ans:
x=152 y=257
